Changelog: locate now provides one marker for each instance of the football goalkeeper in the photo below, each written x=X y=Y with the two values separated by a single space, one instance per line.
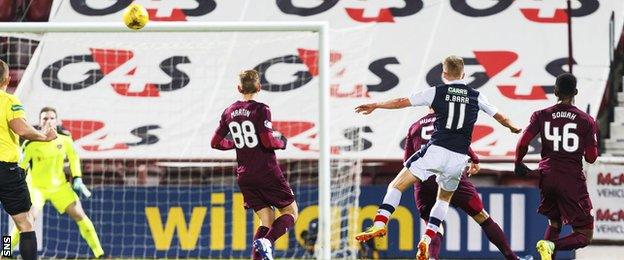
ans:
x=46 y=179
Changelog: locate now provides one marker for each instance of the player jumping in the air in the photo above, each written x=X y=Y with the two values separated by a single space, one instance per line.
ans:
x=44 y=162
x=259 y=176
x=567 y=135
x=466 y=197
x=456 y=106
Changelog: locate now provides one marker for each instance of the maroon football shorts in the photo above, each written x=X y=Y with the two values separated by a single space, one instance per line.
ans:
x=564 y=197
x=275 y=192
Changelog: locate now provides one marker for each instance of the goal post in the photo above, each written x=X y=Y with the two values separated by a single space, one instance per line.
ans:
x=325 y=165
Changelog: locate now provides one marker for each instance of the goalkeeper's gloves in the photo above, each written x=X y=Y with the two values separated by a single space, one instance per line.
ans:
x=80 y=188
x=521 y=169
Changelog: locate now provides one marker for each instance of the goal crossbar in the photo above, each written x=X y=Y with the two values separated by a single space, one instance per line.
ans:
x=41 y=27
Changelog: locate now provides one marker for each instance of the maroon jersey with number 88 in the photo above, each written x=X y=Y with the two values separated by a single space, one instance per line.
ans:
x=247 y=122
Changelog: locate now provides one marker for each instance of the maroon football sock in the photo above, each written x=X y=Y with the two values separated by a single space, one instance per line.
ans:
x=280 y=227
x=260 y=232
x=552 y=234
x=497 y=237
x=434 y=247
x=572 y=241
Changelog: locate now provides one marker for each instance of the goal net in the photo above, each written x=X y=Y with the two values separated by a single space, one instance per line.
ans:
x=142 y=107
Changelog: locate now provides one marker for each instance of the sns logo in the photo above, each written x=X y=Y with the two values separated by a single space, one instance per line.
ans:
x=370 y=11
x=302 y=135
x=92 y=136
x=119 y=67
x=502 y=68
x=305 y=68
x=179 y=10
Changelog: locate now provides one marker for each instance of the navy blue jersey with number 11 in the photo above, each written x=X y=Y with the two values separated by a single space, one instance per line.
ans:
x=456 y=107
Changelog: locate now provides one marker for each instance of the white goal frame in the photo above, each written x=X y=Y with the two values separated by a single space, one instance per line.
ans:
x=322 y=28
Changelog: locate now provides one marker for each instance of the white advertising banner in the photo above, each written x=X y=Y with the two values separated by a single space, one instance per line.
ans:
x=606 y=188
x=161 y=95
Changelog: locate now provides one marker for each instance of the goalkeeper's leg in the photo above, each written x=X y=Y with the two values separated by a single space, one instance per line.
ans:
x=87 y=230
x=393 y=196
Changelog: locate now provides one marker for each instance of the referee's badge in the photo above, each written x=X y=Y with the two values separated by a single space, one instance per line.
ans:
x=59 y=146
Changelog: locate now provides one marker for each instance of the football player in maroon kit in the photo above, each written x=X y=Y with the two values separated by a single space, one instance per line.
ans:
x=568 y=134
x=259 y=176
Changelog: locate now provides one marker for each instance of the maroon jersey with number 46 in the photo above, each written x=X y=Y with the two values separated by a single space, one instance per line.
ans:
x=567 y=134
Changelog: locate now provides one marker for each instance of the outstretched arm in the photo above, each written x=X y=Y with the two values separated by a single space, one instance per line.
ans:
x=390 y=104
x=504 y=120
x=421 y=98
x=23 y=129
x=491 y=110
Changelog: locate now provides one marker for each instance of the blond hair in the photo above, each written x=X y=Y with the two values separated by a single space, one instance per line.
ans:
x=249 y=79
x=453 y=66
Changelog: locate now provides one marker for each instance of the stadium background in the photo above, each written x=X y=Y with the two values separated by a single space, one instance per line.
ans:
x=380 y=49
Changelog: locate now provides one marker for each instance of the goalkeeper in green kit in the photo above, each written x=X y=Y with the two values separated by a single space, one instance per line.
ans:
x=44 y=163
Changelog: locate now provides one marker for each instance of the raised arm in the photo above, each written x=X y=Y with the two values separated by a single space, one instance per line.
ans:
x=422 y=98
x=504 y=120
x=17 y=122
x=23 y=129
x=389 y=104
x=491 y=110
